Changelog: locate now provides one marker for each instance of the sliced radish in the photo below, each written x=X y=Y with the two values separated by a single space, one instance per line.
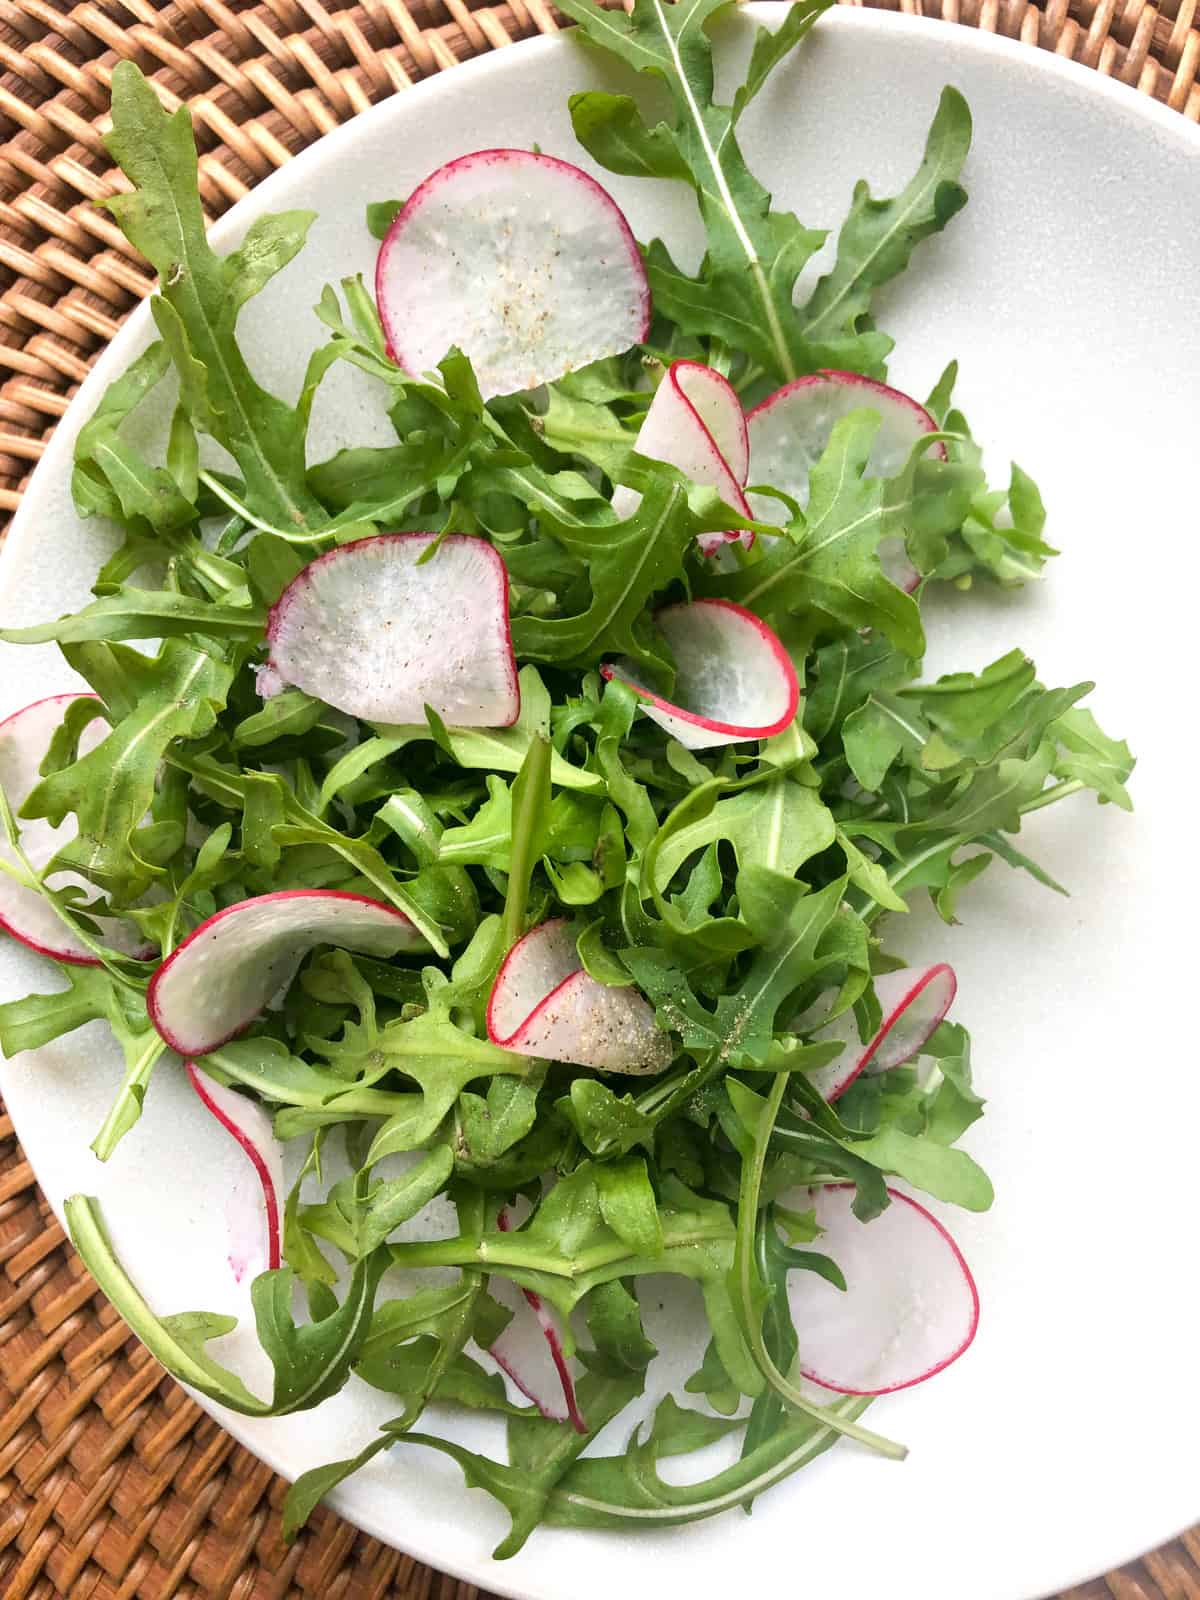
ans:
x=530 y=1350
x=734 y=677
x=226 y=972
x=910 y=1306
x=250 y=1125
x=521 y=260
x=372 y=630
x=913 y=1001
x=790 y=429
x=24 y=739
x=544 y=1004
x=695 y=422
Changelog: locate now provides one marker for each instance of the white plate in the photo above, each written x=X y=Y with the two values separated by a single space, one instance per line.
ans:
x=1064 y=1442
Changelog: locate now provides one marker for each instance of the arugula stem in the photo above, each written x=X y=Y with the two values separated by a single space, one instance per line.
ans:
x=127 y=1107
x=248 y=516
x=1056 y=791
x=510 y=1251
x=530 y=798
x=744 y=1273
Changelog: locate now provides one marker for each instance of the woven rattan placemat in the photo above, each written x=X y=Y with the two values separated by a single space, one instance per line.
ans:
x=113 y=1485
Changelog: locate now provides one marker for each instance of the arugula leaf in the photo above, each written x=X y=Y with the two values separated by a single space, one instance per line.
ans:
x=878 y=237
x=29 y=1023
x=380 y=216
x=110 y=790
x=540 y=1454
x=833 y=561
x=743 y=293
x=1088 y=756
x=627 y=563
x=310 y=1362
x=202 y=294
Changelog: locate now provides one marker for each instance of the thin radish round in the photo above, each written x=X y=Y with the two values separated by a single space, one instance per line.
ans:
x=544 y=1004
x=24 y=739
x=790 y=429
x=695 y=422
x=376 y=632
x=913 y=1001
x=910 y=1306
x=734 y=679
x=250 y=1125
x=530 y=1350
x=521 y=261
x=226 y=972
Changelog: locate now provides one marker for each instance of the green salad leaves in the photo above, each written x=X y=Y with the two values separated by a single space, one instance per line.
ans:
x=742 y=889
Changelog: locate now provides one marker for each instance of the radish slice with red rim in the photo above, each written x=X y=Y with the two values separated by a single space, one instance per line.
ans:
x=695 y=422
x=790 y=429
x=544 y=1004
x=913 y=1001
x=376 y=632
x=530 y=1350
x=910 y=1306
x=24 y=739
x=734 y=678
x=227 y=972
x=250 y=1125
x=522 y=261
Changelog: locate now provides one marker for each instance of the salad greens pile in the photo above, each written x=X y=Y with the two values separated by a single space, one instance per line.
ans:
x=735 y=886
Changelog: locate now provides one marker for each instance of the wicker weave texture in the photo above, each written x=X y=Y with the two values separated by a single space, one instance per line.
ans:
x=113 y=1485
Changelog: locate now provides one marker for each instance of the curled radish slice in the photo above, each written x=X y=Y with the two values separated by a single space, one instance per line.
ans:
x=734 y=679
x=226 y=972
x=910 y=1306
x=24 y=739
x=695 y=422
x=258 y=1237
x=376 y=632
x=520 y=260
x=913 y=1001
x=544 y=1004
x=790 y=429
x=530 y=1350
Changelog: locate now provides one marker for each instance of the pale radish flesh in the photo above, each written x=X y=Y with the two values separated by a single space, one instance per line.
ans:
x=225 y=973
x=530 y=1350
x=910 y=1306
x=695 y=422
x=520 y=260
x=544 y=1004
x=734 y=679
x=790 y=429
x=254 y=1236
x=375 y=631
x=24 y=913
x=913 y=1001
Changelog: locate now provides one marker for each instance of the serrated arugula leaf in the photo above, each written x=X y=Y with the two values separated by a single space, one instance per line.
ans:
x=743 y=292
x=202 y=294
x=1089 y=757
x=878 y=237
x=627 y=563
x=110 y=790
x=310 y=1362
x=832 y=560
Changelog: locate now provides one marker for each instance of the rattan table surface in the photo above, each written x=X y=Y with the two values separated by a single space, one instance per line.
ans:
x=113 y=1484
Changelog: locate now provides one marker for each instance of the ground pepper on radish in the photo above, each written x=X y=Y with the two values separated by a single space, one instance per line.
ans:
x=517 y=819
